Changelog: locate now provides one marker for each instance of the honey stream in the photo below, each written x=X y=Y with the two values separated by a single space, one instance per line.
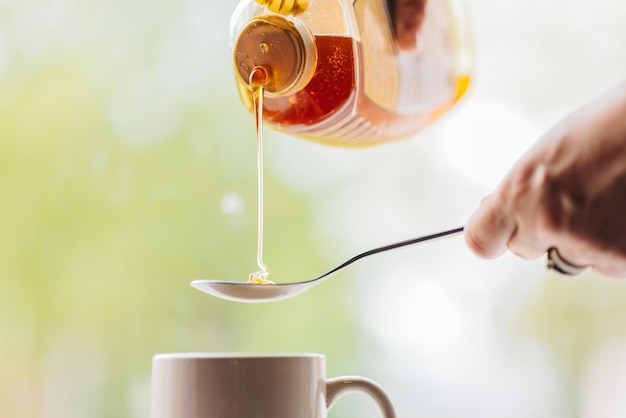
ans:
x=258 y=79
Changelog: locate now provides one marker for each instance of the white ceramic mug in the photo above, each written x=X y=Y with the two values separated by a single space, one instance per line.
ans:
x=239 y=385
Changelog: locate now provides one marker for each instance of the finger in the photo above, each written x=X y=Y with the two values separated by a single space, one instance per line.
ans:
x=409 y=18
x=610 y=271
x=608 y=265
x=528 y=246
x=489 y=229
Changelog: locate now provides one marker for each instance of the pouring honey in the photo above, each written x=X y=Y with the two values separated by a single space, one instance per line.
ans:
x=352 y=73
x=347 y=73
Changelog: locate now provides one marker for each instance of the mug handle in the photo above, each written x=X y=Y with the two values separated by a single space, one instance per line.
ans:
x=339 y=386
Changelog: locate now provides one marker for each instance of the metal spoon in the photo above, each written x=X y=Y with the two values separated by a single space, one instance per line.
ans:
x=256 y=293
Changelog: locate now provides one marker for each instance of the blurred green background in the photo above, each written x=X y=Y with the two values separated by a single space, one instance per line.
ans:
x=127 y=169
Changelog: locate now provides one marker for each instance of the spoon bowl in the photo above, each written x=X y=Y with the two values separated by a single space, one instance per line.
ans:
x=253 y=293
x=256 y=293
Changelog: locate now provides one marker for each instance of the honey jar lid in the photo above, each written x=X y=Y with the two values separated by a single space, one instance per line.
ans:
x=284 y=49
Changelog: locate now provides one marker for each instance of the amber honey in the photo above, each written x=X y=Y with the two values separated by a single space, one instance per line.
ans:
x=330 y=87
x=333 y=91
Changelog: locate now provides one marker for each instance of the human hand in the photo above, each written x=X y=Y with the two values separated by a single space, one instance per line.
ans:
x=568 y=191
x=408 y=20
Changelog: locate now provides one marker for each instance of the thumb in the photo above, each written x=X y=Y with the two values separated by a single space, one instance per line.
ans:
x=489 y=229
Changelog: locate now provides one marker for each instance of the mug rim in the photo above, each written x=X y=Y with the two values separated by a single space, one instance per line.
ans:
x=235 y=355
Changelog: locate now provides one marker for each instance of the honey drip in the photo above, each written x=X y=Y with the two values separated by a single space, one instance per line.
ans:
x=259 y=77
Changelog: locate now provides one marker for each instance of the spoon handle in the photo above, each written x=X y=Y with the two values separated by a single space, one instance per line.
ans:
x=431 y=237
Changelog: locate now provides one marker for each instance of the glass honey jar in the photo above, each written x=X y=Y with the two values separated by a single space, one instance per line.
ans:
x=352 y=73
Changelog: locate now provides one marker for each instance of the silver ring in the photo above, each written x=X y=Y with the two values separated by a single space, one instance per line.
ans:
x=557 y=263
